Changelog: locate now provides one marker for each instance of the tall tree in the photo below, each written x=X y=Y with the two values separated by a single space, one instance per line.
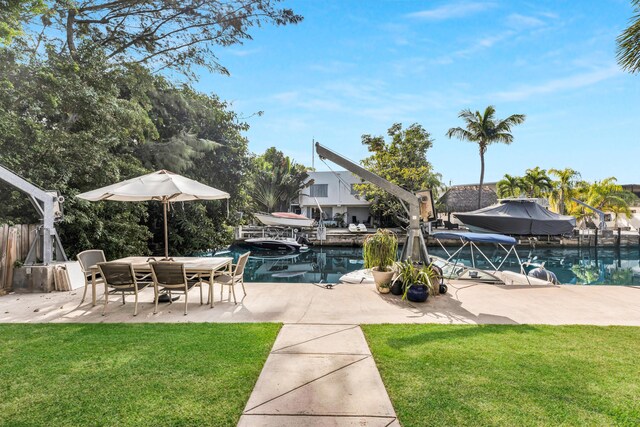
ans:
x=485 y=129
x=564 y=188
x=629 y=43
x=159 y=33
x=403 y=161
x=509 y=186
x=536 y=182
x=276 y=181
x=75 y=129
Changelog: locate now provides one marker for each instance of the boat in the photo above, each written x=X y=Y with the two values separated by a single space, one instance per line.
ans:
x=281 y=244
x=285 y=219
x=522 y=217
x=452 y=269
x=358 y=277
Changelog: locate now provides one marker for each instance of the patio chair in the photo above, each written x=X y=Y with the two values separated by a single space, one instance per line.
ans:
x=362 y=228
x=88 y=259
x=236 y=277
x=119 y=277
x=170 y=277
x=353 y=228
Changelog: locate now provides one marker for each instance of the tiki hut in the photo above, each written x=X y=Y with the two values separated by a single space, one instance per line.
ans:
x=464 y=198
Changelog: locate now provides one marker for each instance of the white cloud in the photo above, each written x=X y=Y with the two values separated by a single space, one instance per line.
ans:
x=242 y=52
x=452 y=10
x=515 y=20
x=557 y=85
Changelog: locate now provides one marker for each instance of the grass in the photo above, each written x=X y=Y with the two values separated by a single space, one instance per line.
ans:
x=503 y=375
x=129 y=374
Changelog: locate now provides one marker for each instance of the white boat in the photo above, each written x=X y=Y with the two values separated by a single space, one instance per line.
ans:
x=285 y=219
x=453 y=269
x=358 y=277
x=283 y=244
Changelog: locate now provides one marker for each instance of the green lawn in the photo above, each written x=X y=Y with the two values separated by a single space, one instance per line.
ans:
x=443 y=375
x=129 y=374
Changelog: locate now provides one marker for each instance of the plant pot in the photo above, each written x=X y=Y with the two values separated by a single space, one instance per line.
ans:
x=397 y=288
x=443 y=289
x=382 y=278
x=417 y=293
x=383 y=289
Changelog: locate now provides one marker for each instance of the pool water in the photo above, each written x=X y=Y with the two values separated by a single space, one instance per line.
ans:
x=326 y=264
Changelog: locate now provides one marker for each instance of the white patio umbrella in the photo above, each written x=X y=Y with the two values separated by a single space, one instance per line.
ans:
x=163 y=186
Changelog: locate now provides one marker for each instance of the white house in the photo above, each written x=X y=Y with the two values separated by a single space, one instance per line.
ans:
x=335 y=194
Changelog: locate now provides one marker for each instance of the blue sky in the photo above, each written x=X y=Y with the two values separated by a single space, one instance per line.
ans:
x=356 y=67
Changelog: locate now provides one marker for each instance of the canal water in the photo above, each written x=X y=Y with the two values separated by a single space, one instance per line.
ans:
x=572 y=266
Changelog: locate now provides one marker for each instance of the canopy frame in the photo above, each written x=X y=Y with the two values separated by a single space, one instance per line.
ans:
x=467 y=239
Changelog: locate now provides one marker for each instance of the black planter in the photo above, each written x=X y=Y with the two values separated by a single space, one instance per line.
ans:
x=443 y=289
x=397 y=288
x=418 y=293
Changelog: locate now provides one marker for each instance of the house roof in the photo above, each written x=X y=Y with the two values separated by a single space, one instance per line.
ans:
x=464 y=198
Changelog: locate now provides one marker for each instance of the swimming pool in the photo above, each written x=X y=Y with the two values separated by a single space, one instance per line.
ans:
x=326 y=264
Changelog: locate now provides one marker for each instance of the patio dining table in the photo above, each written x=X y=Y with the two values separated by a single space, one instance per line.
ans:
x=192 y=265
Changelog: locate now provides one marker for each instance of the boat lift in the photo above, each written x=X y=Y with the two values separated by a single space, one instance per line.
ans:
x=48 y=205
x=603 y=225
x=414 y=247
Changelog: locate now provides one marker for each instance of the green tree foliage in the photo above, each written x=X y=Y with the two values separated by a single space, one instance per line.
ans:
x=485 y=129
x=276 y=181
x=629 y=43
x=13 y=13
x=163 y=34
x=403 y=161
x=74 y=129
x=606 y=195
x=564 y=188
x=509 y=186
x=536 y=182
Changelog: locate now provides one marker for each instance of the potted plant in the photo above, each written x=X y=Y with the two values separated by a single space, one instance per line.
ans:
x=379 y=252
x=418 y=281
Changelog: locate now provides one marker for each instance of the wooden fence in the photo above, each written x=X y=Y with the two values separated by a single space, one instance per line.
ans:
x=14 y=245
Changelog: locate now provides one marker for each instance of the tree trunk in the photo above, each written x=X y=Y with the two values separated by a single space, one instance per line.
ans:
x=71 y=17
x=481 y=177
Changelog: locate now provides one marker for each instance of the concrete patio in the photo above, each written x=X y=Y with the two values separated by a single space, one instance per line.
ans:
x=465 y=303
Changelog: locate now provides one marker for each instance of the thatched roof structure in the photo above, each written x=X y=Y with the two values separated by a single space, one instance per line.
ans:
x=464 y=198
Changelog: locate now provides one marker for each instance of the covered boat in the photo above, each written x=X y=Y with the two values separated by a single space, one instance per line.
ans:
x=519 y=217
x=285 y=219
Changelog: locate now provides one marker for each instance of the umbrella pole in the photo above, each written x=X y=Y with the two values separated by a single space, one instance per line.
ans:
x=166 y=230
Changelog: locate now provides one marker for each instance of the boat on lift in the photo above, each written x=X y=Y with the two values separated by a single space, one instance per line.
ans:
x=279 y=244
x=285 y=219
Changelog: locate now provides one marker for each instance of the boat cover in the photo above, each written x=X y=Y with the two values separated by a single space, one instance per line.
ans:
x=520 y=217
x=477 y=237
x=289 y=215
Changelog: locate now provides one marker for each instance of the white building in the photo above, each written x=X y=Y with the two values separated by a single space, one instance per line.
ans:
x=335 y=194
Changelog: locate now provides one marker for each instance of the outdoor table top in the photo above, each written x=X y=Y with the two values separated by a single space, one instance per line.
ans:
x=191 y=264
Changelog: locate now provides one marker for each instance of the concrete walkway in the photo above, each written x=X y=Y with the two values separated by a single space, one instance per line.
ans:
x=319 y=375
x=466 y=303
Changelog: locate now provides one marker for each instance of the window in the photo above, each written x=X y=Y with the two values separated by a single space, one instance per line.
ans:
x=319 y=190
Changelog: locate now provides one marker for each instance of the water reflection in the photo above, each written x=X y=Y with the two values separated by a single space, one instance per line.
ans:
x=571 y=265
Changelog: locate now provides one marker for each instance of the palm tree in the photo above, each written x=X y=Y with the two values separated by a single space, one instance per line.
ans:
x=606 y=195
x=484 y=129
x=629 y=43
x=564 y=188
x=536 y=182
x=509 y=186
